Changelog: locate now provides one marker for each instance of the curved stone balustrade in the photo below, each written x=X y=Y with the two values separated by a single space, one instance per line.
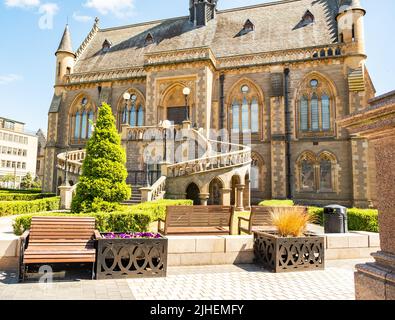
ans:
x=212 y=162
x=74 y=161
x=156 y=192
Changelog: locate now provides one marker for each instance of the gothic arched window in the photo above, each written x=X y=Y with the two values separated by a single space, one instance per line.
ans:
x=245 y=108
x=257 y=172
x=132 y=116
x=315 y=108
x=132 y=111
x=140 y=116
x=82 y=114
x=316 y=173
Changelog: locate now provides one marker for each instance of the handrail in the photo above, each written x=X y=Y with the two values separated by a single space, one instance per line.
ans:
x=211 y=162
x=74 y=161
x=154 y=192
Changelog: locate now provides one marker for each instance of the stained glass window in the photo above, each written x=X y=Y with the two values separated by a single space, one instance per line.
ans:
x=84 y=123
x=245 y=116
x=325 y=175
x=307 y=175
x=235 y=117
x=77 y=126
x=304 y=114
x=140 y=117
x=315 y=118
x=132 y=116
x=254 y=116
x=325 y=112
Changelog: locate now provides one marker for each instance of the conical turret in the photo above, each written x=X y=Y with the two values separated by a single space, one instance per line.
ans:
x=65 y=57
x=66 y=44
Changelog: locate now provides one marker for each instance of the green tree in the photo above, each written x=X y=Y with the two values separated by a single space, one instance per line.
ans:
x=7 y=179
x=27 y=181
x=102 y=185
x=37 y=183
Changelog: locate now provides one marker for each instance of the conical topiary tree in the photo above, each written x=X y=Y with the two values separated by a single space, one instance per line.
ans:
x=102 y=185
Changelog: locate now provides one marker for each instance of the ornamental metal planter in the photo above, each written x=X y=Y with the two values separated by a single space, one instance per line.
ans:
x=279 y=254
x=131 y=258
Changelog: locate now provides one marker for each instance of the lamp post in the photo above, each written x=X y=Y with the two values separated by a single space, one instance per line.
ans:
x=126 y=97
x=166 y=124
x=186 y=91
x=66 y=172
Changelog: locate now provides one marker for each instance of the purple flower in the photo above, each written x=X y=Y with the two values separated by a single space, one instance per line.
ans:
x=130 y=235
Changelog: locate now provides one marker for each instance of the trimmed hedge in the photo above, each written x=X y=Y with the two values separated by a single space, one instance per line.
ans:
x=4 y=190
x=105 y=222
x=7 y=196
x=130 y=218
x=157 y=209
x=277 y=203
x=8 y=208
x=358 y=219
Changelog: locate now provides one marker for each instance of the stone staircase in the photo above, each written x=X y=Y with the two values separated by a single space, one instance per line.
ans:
x=135 y=198
x=218 y=159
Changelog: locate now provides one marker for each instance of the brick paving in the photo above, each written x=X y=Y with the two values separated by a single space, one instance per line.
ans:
x=202 y=283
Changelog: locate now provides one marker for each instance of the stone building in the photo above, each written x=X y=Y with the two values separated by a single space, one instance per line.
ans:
x=42 y=141
x=275 y=76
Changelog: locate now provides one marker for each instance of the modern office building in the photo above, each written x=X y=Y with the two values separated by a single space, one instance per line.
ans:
x=18 y=153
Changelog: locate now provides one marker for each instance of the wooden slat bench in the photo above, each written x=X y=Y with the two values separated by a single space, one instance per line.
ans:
x=260 y=219
x=58 y=240
x=202 y=220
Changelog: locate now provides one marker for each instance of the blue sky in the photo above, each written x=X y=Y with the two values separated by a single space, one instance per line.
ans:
x=30 y=31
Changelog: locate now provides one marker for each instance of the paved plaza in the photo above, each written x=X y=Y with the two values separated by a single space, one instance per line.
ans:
x=230 y=282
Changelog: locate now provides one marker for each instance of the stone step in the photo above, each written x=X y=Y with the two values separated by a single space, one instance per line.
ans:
x=131 y=202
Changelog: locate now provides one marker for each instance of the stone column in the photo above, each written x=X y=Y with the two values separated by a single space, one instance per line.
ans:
x=376 y=281
x=247 y=195
x=239 y=197
x=204 y=198
x=66 y=197
x=360 y=156
x=225 y=194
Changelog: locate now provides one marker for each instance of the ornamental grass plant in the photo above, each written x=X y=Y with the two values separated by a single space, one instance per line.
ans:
x=291 y=221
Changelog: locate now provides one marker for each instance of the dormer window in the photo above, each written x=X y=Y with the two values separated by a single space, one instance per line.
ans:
x=149 y=39
x=106 y=45
x=308 y=18
x=247 y=28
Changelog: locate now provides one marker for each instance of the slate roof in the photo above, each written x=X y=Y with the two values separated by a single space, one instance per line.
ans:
x=66 y=44
x=277 y=27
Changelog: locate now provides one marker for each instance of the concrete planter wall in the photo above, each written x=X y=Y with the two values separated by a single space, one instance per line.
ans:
x=279 y=254
x=131 y=258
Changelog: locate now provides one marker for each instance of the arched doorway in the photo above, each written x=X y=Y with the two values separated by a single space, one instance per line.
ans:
x=173 y=106
x=215 y=190
x=193 y=193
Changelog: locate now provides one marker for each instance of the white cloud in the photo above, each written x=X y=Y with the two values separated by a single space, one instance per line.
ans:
x=120 y=8
x=22 y=3
x=81 y=18
x=49 y=8
x=9 y=78
x=47 y=11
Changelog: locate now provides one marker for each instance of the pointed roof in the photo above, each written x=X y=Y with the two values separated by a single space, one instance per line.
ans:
x=66 y=44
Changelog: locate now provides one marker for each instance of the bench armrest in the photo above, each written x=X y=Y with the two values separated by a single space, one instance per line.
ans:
x=97 y=234
x=240 y=224
x=25 y=235
x=159 y=223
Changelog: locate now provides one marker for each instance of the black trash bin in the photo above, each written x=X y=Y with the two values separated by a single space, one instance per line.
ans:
x=335 y=219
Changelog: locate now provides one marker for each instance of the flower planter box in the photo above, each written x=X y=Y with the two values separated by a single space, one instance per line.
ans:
x=279 y=254
x=119 y=258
